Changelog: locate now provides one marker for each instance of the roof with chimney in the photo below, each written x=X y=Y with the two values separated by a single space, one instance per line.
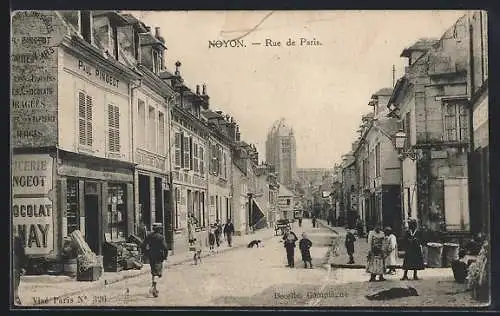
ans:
x=423 y=45
x=150 y=39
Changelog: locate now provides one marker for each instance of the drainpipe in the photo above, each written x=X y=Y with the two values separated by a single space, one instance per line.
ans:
x=170 y=174
x=132 y=88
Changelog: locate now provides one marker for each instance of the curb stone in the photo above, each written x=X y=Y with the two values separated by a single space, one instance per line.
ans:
x=126 y=277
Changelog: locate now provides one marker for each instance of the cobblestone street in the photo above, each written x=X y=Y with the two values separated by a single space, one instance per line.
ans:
x=258 y=277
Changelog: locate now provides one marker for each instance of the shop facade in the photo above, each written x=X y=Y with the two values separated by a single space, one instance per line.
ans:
x=78 y=132
x=189 y=139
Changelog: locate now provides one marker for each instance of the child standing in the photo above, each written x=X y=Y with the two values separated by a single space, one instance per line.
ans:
x=197 y=250
x=305 y=244
x=211 y=239
x=349 y=246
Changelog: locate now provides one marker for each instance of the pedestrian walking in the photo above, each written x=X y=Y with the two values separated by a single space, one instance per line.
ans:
x=289 y=240
x=300 y=221
x=375 y=263
x=413 y=259
x=305 y=245
x=228 y=232
x=392 y=250
x=211 y=238
x=349 y=245
x=218 y=232
x=359 y=227
x=156 y=249
x=328 y=220
x=314 y=221
x=19 y=264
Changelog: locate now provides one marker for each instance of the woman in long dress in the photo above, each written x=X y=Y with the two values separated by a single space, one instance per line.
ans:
x=392 y=250
x=414 y=259
x=376 y=264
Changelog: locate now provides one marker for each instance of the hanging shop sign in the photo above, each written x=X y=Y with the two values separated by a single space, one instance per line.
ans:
x=34 y=66
x=32 y=206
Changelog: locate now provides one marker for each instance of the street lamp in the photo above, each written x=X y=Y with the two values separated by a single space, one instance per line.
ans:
x=400 y=144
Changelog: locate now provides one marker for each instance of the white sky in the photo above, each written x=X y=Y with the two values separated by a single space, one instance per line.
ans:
x=321 y=91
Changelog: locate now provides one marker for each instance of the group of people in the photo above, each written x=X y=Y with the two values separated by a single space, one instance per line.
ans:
x=383 y=251
x=305 y=244
x=215 y=233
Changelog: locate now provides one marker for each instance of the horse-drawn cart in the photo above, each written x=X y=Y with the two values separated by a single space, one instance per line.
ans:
x=281 y=226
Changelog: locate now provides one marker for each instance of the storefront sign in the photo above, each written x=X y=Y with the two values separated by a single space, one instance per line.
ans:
x=31 y=174
x=33 y=220
x=149 y=160
x=32 y=208
x=35 y=37
x=98 y=73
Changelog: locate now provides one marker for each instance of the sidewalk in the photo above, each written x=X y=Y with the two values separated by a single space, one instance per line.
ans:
x=48 y=286
x=360 y=250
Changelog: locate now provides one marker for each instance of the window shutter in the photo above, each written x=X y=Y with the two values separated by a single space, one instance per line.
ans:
x=178 y=149
x=117 y=128
x=111 y=130
x=81 y=118
x=190 y=153
x=89 y=120
x=186 y=152
x=202 y=161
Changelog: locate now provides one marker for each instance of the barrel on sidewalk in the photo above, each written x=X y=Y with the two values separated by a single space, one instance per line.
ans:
x=450 y=253
x=434 y=255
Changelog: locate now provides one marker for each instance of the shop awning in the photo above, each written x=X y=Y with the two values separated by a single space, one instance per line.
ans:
x=257 y=212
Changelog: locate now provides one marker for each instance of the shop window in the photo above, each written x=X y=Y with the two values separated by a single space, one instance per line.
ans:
x=85 y=118
x=113 y=128
x=72 y=206
x=117 y=215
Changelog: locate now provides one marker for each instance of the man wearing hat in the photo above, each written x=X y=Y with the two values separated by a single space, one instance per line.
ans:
x=392 y=250
x=156 y=249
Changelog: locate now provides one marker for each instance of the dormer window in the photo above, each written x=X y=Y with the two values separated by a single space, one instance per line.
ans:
x=156 y=62
x=82 y=22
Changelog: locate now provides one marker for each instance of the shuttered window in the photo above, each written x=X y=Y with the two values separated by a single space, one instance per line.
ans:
x=202 y=160
x=178 y=150
x=191 y=159
x=161 y=133
x=456 y=123
x=152 y=129
x=85 y=118
x=113 y=128
x=186 y=151
x=141 y=128
x=196 y=166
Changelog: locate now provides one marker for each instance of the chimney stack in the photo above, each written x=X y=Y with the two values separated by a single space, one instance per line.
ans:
x=204 y=89
x=157 y=32
x=197 y=89
x=237 y=136
x=177 y=66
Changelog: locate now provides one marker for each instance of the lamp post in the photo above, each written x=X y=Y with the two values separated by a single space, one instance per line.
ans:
x=400 y=143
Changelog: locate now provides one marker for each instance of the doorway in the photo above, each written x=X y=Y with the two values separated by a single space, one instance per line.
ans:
x=92 y=213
